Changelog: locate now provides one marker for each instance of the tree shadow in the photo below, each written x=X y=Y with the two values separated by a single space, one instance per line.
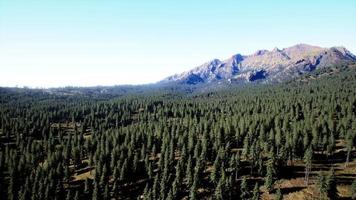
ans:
x=285 y=191
x=290 y=172
x=344 y=198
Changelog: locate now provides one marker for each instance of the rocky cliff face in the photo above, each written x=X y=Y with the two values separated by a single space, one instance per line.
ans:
x=265 y=66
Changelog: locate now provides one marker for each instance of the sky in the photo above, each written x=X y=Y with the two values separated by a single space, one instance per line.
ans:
x=52 y=43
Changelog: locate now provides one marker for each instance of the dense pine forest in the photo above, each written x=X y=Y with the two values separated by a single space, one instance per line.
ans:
x=293 y=140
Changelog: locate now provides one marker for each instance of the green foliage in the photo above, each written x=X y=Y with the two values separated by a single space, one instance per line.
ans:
x=332 y=192
x=353 y=189
x=279 y=195
x=174 y=141
x=327 y=185
x=218 y=192
x=308 y=155
x=270 y=174
x=256 y=192
x=244 y=191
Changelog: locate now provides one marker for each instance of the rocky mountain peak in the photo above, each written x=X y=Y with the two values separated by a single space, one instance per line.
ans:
x=266 y=66
x=260 y=52
x=275 y=49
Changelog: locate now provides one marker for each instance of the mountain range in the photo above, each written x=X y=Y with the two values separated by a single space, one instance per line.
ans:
x=264 y=66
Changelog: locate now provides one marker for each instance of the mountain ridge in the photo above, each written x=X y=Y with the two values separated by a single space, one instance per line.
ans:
x=274 y=65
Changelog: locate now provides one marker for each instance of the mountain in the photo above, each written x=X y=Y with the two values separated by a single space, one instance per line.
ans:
x=276 y=65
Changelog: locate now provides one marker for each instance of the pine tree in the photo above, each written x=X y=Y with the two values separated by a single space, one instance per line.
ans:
x=189 y=172
x=106 y=194
x=308 y=162
x=193 y=191
x=243 y=189
x=115 y=188
x=214 y=172
x=135 y=163
x=270 y=174
x=331 y=145
x=170 y=195
x=47 y=192
x=349 y=144
x=145 y=192
x=86 y=186
x=11 y=187
x=218 y=194
x=331 y=185
x=22 y=195
x=76 y=197
x=322 y=185
x=76 y=157
x=163 y=188
x=279 y=195
x=353 y=189
x=96 y=192
x=123 y=171
x=59 y=189
x=69 y=195
x=155 y=187
x=256 y=192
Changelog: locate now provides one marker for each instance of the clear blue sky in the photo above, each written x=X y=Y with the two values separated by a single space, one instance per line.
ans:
x=47 y=43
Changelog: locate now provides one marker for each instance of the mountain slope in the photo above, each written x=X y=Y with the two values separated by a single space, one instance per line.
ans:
x=265 y=66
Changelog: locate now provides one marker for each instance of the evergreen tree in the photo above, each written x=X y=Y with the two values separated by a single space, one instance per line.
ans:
x=331 y=185
x=279 y=195
x=86 y=186
x=349 y=144
x=47 y=137
x=218 y=192
x=353 y=189
x=270 y=173
x=96 y=192
x=322 y=185
x=76 y=197
x=69 y=195
x=256 y=192
x=214 y=172
x=106 y=194
x=308 y=162
x=170 y=195
x=243 y=189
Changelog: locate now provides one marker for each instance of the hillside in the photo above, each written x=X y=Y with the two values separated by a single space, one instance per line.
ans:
x=276 y=65
x=295 y=139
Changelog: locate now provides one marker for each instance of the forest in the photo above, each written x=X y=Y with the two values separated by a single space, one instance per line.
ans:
x=293 y=140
